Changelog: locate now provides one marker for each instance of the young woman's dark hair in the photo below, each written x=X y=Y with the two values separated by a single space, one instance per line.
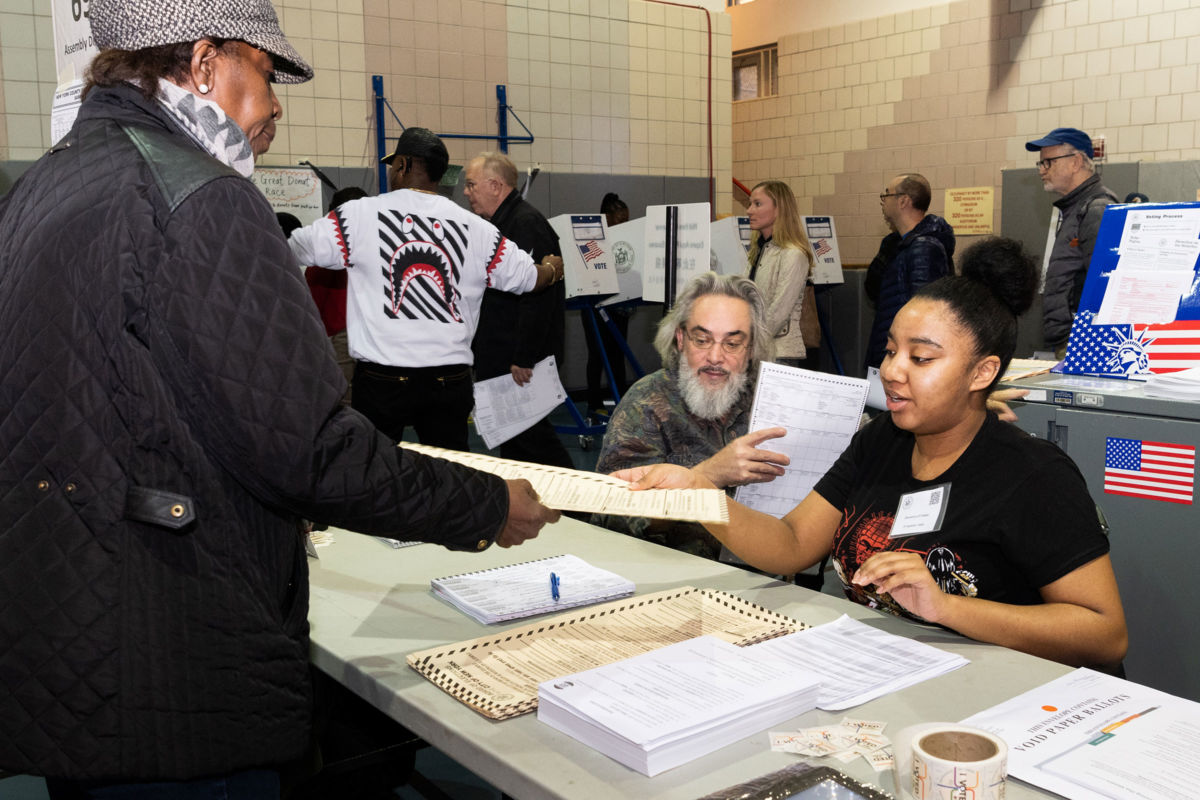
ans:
x=996 y=283
x=614 y=208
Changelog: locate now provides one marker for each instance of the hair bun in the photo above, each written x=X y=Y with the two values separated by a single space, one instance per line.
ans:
x=1003 y=266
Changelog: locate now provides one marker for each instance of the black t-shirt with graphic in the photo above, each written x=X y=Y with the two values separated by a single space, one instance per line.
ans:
x=1018 y=516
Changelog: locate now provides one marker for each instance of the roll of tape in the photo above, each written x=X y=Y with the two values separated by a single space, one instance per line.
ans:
x=955 y=762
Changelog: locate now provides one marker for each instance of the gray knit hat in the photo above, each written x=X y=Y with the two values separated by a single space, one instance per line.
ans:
x=138 y=24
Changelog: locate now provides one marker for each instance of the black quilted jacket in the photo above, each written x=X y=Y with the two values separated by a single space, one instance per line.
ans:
x=168 y=410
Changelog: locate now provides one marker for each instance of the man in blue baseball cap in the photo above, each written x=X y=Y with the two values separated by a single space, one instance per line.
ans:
x=1066 y=168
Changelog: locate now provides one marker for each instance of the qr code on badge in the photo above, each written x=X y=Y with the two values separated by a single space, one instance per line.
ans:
x=935 y=497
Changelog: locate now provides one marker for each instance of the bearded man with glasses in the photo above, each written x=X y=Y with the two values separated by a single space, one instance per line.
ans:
x=695 y=411
x=1066 y=168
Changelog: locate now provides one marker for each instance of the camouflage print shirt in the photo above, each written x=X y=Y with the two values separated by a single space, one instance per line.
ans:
x=653 y=426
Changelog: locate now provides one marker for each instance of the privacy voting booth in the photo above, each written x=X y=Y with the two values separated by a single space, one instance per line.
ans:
x=1139 y=316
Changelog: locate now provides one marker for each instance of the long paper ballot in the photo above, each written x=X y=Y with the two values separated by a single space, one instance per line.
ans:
x=576 y=490
x=821 y=413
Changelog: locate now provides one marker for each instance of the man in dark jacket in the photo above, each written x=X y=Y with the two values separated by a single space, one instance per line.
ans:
x=516 y=332
x=1066 y=168
x=170 y=413
x=920 y=249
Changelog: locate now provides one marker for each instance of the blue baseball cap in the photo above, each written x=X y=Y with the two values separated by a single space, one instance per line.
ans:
x=1072 y=136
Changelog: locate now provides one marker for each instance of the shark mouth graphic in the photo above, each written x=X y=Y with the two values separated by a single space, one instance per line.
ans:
x=413 y=260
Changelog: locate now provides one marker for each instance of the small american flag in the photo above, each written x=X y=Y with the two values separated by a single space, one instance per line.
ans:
x=822 y=247
x=1155 y=470
x=591 y=251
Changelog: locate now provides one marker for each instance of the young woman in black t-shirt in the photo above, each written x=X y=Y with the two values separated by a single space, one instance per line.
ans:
x=1016 y=556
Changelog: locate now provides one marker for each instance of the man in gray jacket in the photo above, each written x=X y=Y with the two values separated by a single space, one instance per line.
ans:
x=1066 y=168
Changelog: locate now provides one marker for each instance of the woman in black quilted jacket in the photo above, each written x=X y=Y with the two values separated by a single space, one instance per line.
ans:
x=169 y=415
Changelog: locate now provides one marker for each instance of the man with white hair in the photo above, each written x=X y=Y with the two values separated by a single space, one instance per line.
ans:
x=695 y=411
x=1066 y=168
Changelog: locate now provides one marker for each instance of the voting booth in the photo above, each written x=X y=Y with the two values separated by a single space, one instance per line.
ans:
x=1139 y=316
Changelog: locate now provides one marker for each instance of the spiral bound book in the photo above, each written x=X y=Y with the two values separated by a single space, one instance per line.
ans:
x=523 y=590
x=498 y=675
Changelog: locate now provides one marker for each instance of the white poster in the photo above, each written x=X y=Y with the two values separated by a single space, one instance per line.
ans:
x=627 y=242
x=693 y=253
x=587 y=260
x=730 y=242
x=822 y=235
x=296 y=190
x=73 y=51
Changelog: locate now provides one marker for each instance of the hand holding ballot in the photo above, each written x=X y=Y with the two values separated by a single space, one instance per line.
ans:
x=526 y=515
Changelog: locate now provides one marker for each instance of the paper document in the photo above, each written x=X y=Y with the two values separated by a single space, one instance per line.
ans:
x=576 y=490
x=1181 y=385
x=522 y=590
x=858 y=663
x=503 y=409
x=1140 y=295
x=669 y=706
x=1026 y=368
x=1150 y=231
x=1088 y=736
x=498 y=675
x=821 y=413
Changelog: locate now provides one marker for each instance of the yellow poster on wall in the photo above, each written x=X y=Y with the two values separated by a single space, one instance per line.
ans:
x=969 y=211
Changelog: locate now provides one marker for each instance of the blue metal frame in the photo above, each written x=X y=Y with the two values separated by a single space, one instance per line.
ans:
x=503 y=109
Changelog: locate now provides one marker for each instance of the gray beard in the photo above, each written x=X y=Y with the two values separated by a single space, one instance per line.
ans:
x=707 y=403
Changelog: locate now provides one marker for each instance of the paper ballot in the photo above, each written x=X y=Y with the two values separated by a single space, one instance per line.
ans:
x=503 y=409
x=821 y=413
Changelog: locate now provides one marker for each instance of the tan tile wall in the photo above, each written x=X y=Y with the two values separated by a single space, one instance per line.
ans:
x=610 y=86
x=27 y=78
x=953 y=91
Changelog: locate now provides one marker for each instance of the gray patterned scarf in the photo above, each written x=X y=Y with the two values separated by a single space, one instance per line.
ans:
x=208 y=124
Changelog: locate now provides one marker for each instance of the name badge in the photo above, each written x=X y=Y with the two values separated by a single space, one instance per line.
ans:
x=921 y=512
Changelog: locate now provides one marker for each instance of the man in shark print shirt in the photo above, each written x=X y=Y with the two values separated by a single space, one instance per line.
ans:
x=417 y=266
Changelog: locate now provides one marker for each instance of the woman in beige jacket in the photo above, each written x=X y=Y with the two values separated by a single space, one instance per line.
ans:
x=780 y=261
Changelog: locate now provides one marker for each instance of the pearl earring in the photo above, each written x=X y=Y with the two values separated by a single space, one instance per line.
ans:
x=203 y=88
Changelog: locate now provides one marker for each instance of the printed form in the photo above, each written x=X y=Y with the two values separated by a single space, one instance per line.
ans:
x=821 y=413
x=503 y=409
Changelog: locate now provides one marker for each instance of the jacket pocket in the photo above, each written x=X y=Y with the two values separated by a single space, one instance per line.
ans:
x=158 y=507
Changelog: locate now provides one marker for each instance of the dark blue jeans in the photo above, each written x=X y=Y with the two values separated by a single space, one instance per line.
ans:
x=252 y=784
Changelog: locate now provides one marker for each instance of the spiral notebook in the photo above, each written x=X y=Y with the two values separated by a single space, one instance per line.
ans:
x=523 y=590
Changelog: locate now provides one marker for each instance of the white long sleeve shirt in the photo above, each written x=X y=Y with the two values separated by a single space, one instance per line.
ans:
x=417 y=265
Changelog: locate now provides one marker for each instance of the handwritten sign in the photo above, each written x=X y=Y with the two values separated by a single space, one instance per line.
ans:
x=969 y=211
x=295 y=190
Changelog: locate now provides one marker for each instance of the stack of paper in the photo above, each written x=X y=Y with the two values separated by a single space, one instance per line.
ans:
x=522 y=590
x=858 y=663
x=1181 y=385
x=666 y=707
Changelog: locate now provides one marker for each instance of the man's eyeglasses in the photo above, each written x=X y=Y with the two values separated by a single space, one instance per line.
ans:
x=890 y=194
x=702 y=341
x=1046 y=162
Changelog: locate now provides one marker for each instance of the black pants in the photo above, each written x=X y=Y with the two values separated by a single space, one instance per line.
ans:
x=435 y=401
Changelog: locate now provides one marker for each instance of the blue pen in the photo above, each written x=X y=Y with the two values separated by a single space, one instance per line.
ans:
x=554 y=587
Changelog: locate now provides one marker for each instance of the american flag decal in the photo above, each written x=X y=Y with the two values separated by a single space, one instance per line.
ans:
x=822 y=247
x=591 y=251
x=1154 y=470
